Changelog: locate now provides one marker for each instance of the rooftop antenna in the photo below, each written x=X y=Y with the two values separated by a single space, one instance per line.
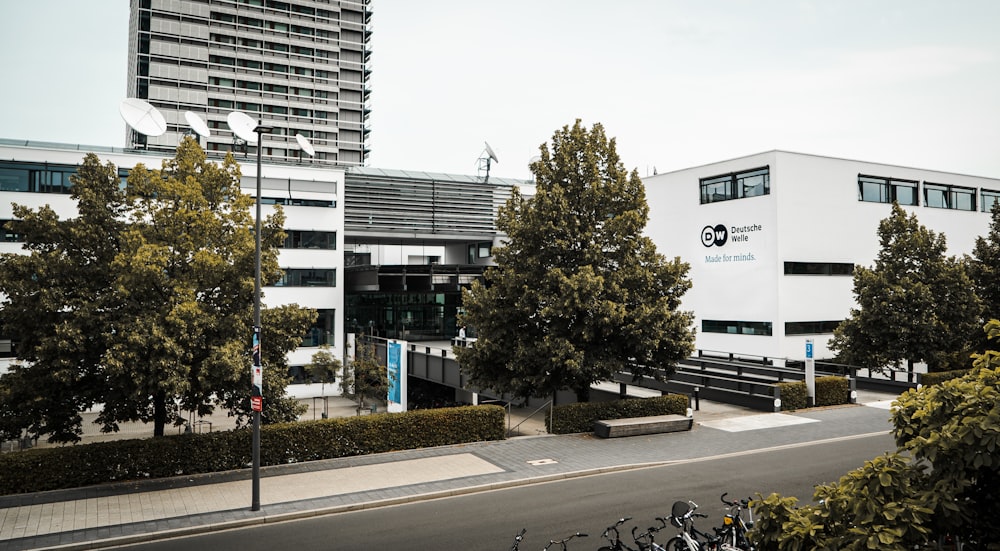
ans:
x=305 y=146
x=143 y=119
x=197 y=124
x=488 y=158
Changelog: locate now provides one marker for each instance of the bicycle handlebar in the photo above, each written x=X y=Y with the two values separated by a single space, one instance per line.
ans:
x=741 y=503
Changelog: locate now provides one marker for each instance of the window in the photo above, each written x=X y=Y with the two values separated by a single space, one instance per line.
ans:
x=322 y=330
x=736 y=185
x=810 y=327
x=988 y=199
x=944 y=196
x=295 y=277
x=877 y=189
x=222 y=60
x=297 y=239
x=819 y=268
x=736 y=327
x=357 y=259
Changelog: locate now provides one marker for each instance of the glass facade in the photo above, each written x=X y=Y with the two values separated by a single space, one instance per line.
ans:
x=736 y=185
x=409 y=316
x=737 y=327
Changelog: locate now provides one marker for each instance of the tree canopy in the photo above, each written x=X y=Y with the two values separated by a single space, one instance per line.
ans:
x=142 y=303
x=578 y=293
x=984 y=270
x=915 y=304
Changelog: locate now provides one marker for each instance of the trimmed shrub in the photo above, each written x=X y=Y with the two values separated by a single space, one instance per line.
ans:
x=580 y=417
x=793 y=395
x=832 y=390
x=43 y=469
x=942 y=376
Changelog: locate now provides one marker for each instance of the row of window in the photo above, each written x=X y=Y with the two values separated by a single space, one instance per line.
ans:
x=736 y=185
x=308 y=277
x=819 y=268
x=268 y=66
x=268 y=108
x=277 y=26
x=764 y=327
x=880 y=189
x=269 y=87
x=273 y=46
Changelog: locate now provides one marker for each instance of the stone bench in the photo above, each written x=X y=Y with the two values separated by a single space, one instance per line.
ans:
x=634 y=426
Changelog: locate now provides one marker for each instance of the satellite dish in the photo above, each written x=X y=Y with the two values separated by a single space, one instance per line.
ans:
x=197 y=124
x=242 y=125
x=489 y=151
x=305 y=145
x=142 y=117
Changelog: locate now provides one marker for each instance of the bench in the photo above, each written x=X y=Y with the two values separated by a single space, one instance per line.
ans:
x=634 y=426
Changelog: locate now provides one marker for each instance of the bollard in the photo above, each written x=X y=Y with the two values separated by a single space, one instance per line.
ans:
x=697 y=404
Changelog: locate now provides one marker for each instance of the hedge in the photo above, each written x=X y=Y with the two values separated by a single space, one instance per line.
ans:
x=939 y=377
x=830 y=391
x=793 y=395
x=580 y=417
x=43 y=469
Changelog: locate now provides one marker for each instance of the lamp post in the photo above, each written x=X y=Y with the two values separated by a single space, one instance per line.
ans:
x=257 y=391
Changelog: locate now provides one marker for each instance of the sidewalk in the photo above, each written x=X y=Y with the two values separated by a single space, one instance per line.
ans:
x=116 y=514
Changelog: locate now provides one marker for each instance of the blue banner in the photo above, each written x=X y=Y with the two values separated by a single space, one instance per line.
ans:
x=393 y=353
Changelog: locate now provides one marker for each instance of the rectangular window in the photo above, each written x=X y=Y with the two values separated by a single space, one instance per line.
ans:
x=736 y=327
x=297 y=239
x=819 y=268
x=878 y=189
x=295 y=277
x=14 y=179
x=736 y=185
x=944 y=196
x=988 y=199
x=810 y=327
x=322 y=330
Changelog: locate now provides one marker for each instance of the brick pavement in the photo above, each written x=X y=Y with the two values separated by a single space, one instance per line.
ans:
x=122 y=513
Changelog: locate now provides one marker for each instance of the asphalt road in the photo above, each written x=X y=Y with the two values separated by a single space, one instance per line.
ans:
x=554 y=510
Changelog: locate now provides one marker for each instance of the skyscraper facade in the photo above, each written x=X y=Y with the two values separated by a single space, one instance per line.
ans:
x=298 y=66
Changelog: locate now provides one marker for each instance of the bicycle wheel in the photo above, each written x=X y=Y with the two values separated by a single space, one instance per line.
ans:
x=677 y=543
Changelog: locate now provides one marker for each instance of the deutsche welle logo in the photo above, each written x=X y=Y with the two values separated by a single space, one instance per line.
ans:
x=714 y=235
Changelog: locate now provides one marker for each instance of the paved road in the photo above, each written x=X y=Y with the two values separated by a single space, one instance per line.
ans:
x=554 y=510
x=130 y=513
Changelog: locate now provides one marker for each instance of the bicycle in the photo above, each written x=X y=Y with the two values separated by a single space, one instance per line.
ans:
x=562 y=542
x=645 y=540
x=614 y=538
x=517 y=539
x=734 y=529
x=690 y=538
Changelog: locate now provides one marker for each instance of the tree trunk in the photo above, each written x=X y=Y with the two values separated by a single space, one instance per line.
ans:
x=909 y=370
x=159 y=413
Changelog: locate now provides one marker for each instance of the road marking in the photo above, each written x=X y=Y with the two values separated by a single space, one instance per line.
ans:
x=757 y=422
x=881 y=404
x=537 y=462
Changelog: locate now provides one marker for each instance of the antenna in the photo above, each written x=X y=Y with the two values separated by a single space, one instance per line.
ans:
x=242 y=125
x=197 y=124
x=486 y=160
x=304 y=145
x=142 y=117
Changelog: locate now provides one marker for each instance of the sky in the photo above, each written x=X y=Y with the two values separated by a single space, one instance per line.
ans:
x=676 y=83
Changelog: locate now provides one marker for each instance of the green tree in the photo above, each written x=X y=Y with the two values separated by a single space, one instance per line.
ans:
x=915 y=304
x=984 y=270
x=323 y=367
x=143 y=302
x=366 y=378
x=944 y=478
x=578 y=293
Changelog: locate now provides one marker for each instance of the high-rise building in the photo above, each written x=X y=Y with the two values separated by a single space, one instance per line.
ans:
x=299 y=66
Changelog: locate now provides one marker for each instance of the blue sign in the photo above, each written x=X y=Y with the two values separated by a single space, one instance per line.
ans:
x=393 y=353
x=809 y=349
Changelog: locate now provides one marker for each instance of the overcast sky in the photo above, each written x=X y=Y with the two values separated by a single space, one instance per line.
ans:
x=678 y=83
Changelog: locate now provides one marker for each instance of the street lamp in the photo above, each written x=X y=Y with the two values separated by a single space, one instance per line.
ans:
x=246 y=128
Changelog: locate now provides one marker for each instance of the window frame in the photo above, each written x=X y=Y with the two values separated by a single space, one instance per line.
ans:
x=733 y=185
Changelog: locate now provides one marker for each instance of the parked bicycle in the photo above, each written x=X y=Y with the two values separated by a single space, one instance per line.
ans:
x=562 y=542
x=646 y=540
x=614 y=538
x=682 y=516
x=734 y=528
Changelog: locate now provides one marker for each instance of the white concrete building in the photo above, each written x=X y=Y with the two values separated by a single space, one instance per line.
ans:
x=312 y=257
x=772 y=239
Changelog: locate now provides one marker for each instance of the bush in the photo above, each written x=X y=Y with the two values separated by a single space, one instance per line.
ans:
x=120 y=460
x=832 y=391
x=580 y=417
x=941 y=376
x=793 y=395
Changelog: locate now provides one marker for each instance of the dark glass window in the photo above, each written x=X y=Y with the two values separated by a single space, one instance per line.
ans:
x=322 y=330
x=297 y=239
x=989 y=197
x=736 y=327
x=944 y=196
x=14 y=179
x=311 y=277
x=810 y=327
x=736 y=185
x=878 y=189
x=819 y=268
